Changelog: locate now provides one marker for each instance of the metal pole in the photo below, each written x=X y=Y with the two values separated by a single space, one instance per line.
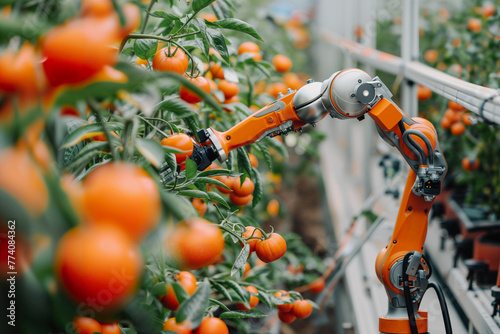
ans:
x=409 y=52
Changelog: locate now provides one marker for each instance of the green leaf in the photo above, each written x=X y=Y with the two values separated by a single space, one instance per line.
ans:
x=218 y=303
x=243 y=294
x=200 y=4
x=244 y=161
x=180 y=206
x=87 y=153
x=238 y=25
x=143 y=46
x=89 y=131
x=254 y=313
x=221 y=10
x=277 y=145
x=216 y=172
x=223 y=291
x=218 y=198
x=151 y=150
x=241 y=260
x=159 y=289
x=191 y=169
x=194 y=308
x=259 y=189
x=176 y=106
x=180 y=293
x=265 y=299
x=229 y=73
x=265 y=153
x=193 y=193
x=171 y=161
x=218 y=41
x=211 y=181
x=168 y=18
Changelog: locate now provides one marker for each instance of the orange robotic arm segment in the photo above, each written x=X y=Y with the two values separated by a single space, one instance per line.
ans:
x=276 y=118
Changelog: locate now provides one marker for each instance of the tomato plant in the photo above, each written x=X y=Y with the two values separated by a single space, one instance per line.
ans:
x=100 y=105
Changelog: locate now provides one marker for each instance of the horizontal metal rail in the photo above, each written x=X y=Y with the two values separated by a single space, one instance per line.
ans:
x=473 y=97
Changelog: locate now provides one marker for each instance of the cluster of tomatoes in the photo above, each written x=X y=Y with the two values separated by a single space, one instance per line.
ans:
x=80 y=51
x=455 y=119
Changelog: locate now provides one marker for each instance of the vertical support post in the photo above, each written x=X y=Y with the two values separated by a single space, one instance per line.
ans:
x=409 y=52
x=369 y=39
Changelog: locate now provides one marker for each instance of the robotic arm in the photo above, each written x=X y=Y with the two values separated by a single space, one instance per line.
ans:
x=349 y=94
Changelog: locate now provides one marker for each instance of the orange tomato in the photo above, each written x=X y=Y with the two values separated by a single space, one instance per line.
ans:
x=124 y=195
x=182 y=142
x=229 y=89
x=474 y=25
x=271 y=249
x=110 y=328
x=457 y=128
x=248 y=47
x=84 y=325
x=275 y=88
x=240 y=201
x=79 y=49
x=187 y=281
x=195 y=243
x=445 y=123
x=251 y=231
x=286 y=317
x=254 y=300
x=98 y=265
x=177 y=61
x=302 y=308
x=21 y=179
x=247 y=270
x=453 y=116
x=234 y=99
x=172 y=325
x=317 y=285
x=283 y=295
x=227 y=180
x=470 y=165
x=141 y=62
x=273 y=208
x=467 y=120
x=212 y=325
x=133 y=19
x=188 y=95
x=488 y=10
x=21 y=71
x=292 y=80
x=282 y=63
x=423 y=93
x=200 y=206
x=455 y=106
x=253 y=159
x=244 y=189
x=431 y=56
x=96 y=7
x=217 y=71
x=74 y=190
x=208 y=16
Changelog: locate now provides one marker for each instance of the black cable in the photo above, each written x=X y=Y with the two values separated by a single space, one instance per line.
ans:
x=406 y=290
x=444 y=307
x=427 y=142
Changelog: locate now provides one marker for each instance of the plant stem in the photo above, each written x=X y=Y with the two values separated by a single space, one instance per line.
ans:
x=146 y=19
x=161 y=120
x=153 y=126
